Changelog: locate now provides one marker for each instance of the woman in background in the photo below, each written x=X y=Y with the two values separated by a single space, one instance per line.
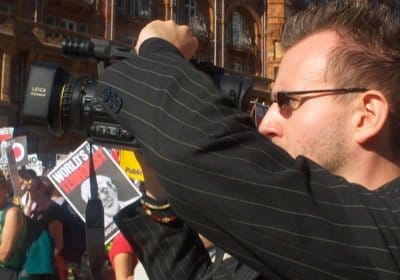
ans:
x=51 y=216
x=12 y=233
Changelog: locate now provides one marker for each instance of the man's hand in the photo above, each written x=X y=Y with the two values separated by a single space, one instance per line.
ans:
x=178 y=35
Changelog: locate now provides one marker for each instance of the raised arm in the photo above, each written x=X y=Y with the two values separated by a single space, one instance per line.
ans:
x=13 y=227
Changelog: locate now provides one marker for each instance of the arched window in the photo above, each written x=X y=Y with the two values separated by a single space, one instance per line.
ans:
x=194 y=17
x=240 y=41
x=240 y=34
x=5 y=8
x=135 y=8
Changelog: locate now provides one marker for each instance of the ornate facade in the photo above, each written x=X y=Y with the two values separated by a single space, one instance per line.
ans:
x=240 y=36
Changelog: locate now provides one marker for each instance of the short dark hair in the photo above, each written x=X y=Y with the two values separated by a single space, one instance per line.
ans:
x=368 y=53
x=47 y=184
x=27 y=174
x=37 y=184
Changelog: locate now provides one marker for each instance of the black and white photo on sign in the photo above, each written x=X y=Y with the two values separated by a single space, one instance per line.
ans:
x=115 y=189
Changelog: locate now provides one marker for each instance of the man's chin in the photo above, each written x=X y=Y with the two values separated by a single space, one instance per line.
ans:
x=287 y=150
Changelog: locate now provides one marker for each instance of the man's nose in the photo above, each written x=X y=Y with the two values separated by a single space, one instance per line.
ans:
x=270 y=125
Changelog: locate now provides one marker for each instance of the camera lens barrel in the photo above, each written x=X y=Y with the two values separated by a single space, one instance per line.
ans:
x=78 y=47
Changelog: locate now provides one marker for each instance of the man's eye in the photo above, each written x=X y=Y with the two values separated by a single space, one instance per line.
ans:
x=293 y=103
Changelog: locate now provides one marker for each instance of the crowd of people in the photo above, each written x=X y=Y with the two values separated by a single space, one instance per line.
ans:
x=41 y=201
x=311 y=193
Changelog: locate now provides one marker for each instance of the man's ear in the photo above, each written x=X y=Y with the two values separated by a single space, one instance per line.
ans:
x=372 y=113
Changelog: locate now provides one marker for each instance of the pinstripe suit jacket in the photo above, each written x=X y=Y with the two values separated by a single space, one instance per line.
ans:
x=174 y=251
x=286 y=218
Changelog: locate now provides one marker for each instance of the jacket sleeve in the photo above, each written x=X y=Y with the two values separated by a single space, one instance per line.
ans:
x=283 y=217
x=167 y=252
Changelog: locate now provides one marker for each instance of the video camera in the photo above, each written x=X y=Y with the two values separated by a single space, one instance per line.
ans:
x=60 y=103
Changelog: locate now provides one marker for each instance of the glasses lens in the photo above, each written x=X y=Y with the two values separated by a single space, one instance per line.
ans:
x=259 y=113
x=282 y=99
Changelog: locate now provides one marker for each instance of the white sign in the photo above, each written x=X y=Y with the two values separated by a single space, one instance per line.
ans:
x=115 y=189
x=35 y=164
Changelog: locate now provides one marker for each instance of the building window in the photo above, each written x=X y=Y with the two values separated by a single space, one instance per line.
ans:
x=4 y=8
x=121 y=7
x=135 y=8
x=130 y=40
x=276 y=69
x=51 y=20
x=195 y=19
x=202 y=56
x=68 y=24
x=240 y=35
x=83 y=27
x=278 y=50
x=237 y=67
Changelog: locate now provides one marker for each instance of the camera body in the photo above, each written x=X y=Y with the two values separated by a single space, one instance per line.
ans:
x=60 y=103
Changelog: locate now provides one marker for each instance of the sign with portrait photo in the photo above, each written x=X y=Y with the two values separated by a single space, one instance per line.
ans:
x=115 y=189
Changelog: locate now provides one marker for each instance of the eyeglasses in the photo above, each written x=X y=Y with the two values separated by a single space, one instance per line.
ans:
x=259 y=112
x=284 y=99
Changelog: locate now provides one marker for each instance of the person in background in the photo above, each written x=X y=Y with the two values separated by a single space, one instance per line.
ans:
x=74 y=235
x=12 y=234
x=25 y=180
x=122 y=257
x=25 y=177
x=6 y=172
x=51 y=216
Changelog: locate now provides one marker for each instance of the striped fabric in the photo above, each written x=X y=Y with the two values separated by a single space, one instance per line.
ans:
x=286 y=218
x=170 y=252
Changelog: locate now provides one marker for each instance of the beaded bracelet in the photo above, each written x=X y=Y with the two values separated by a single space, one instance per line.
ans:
x=158 y=210
x=155 y=206
x=164 y=217
x=159 y=204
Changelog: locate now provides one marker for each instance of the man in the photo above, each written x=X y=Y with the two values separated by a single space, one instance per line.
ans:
x=108 y=194
x=319 y=198
x=25 y=177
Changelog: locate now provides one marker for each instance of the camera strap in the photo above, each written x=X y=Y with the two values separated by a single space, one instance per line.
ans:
x=94 y=225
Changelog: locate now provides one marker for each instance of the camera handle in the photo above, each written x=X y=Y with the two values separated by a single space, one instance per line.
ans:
x=94 y=226
x=102 y=50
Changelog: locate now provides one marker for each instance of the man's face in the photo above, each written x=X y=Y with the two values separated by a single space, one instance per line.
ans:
x=25 y=184
x=108 y=196
x=319 y=128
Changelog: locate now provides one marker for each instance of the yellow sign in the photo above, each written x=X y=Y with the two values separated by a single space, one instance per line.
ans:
x=130 y=165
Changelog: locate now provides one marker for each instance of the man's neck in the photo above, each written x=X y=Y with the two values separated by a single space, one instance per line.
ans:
x=372 y=171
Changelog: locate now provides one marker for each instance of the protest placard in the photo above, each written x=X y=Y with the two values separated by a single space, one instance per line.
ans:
x=115 y=189
x=35 y=164
x=6 y=134
x=19 y=146
x=130 y=165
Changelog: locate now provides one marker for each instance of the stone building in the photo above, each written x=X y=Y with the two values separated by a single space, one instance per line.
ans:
x=240 y=36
